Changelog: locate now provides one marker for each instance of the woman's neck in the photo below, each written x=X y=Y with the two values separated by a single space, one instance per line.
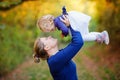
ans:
x=52 y=51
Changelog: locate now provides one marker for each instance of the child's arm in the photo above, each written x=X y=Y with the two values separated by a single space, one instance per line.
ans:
x=61 y=26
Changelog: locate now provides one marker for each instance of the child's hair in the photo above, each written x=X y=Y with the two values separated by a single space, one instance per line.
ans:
x=45 y=21
x=39 y=51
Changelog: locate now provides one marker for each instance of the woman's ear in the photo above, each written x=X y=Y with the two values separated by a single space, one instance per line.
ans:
x=46 y=47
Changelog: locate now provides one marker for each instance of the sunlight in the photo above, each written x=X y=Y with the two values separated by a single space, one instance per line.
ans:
x=84 y=6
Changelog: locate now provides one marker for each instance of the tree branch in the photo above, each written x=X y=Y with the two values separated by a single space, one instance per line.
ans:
x=8 y=7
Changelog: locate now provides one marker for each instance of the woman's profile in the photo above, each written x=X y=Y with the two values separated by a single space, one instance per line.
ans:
x=60 y=62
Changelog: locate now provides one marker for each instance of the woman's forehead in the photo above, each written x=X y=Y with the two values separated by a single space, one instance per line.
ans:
x=42 y=38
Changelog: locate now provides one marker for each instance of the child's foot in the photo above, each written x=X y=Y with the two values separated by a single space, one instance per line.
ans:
x=103 y=37
x=99 y=38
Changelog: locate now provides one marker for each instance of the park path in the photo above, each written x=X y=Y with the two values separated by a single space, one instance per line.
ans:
x=17 y=74
x=91 y=66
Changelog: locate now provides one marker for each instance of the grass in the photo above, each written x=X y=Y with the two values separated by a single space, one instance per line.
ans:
x=87 y=69
x=14 y=48
x=17 y=48
x=38 y=72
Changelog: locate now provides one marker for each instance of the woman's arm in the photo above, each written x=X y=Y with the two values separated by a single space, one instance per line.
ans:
x=65 y=55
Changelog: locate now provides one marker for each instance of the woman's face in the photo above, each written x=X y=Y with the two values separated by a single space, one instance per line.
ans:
x=49 y=41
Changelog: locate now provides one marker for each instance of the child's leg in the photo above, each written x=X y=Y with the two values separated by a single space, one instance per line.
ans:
x=97 y=36
x=92 y=36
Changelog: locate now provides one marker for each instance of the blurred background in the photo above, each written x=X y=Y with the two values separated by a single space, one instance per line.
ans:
x=18 y=32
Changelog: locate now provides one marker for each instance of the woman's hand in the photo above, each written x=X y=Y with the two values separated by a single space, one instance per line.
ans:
x=65 y=20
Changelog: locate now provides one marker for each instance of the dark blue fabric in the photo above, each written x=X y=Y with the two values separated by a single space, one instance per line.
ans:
x=61 y=26
x=64 y=12
x=61 y=65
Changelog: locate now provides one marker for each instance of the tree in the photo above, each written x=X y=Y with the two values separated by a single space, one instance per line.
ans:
x=8 y=4
x=109 y=19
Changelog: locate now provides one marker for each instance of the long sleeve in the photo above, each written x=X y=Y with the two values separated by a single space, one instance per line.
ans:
x=61 y=26
x=58 y=61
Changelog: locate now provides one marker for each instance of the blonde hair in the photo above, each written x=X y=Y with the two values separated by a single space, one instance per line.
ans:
x=39 y=51
x=45 y=21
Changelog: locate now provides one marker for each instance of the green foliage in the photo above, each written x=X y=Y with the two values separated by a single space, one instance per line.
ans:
x=110 y=21
x=8 y=3
x=106 y=73
x=17 y=34
x=18 y=27
x=14 y=46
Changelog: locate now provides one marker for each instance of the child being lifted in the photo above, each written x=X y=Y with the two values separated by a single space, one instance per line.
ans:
x=78 y=21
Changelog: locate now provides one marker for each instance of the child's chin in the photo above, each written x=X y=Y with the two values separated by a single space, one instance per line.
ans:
x=46 y=31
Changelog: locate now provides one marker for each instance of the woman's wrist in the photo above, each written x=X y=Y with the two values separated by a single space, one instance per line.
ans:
x=65 y=20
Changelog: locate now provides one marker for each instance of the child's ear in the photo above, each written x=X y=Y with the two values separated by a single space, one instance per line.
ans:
x=51 y=20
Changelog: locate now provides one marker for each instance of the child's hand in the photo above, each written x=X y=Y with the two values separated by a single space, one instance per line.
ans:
x=65 y=20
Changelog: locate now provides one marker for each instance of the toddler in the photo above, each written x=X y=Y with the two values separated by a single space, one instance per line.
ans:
x=78 y=21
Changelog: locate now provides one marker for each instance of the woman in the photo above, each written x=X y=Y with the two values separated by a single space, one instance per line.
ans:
x=59 y=61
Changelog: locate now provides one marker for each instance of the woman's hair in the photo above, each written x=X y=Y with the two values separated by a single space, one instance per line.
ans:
x=45 y=21
x=39 y=51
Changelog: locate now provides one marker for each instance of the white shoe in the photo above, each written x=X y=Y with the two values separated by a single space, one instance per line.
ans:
x=105 y=37
x=99 y=38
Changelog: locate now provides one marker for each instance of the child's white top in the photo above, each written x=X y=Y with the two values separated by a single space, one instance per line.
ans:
x=79 y=21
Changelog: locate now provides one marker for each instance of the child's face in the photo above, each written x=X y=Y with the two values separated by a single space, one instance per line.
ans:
x=48 y=26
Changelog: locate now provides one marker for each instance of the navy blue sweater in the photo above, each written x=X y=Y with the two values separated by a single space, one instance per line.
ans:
x=61 y=65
